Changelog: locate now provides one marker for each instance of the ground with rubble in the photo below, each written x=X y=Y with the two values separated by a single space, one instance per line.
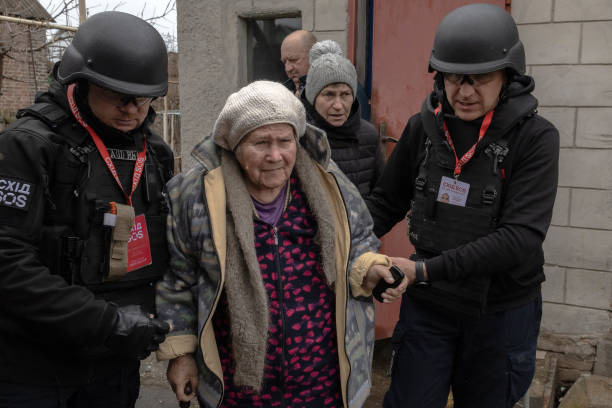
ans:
x=570 y=370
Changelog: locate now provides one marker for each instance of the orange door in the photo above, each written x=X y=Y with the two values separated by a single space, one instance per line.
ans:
x=402 y=36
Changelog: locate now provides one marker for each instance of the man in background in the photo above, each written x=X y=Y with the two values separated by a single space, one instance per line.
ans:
x=294 y=56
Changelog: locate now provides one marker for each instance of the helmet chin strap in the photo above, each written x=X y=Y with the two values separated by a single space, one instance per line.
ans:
x=439 y=88
x=503 y=93
x=438 y=82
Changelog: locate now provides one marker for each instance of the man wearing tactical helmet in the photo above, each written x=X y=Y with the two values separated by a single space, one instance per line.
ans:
x=82 y=223
x=476 y=172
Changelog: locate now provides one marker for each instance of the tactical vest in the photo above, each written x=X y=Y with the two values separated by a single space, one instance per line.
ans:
x=75 y=241
x=436 y=226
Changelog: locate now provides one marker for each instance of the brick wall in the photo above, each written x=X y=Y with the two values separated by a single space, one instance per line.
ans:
x=569 y=54
x=21 y=78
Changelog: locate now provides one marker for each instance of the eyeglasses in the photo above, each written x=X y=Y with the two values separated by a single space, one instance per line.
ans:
x=121 y=100
x=471 y=79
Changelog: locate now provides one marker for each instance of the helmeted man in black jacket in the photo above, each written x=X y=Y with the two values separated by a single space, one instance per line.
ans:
x=476 y=172
x=82 y=223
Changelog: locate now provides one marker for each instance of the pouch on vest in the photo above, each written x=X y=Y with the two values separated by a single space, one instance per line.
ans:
x=449 y=227
x=60 y=250
x=118 y=255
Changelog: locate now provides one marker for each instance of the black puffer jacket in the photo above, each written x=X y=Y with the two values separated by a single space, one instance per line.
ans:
x=512 y=254
x=355 y=147
x=290 y=85
x=44 y=321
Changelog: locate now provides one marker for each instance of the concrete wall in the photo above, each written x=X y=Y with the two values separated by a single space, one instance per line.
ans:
x=212 y=38
x=569 y=54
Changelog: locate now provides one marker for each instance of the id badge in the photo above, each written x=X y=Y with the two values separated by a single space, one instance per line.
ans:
x=139 y=248
x=453 y=191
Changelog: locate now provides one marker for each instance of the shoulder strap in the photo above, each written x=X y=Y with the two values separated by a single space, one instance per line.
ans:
x=49 y=113
x=421 y=180
x=59 y=121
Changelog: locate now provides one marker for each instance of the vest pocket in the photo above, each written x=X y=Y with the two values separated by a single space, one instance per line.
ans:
x=436 y=226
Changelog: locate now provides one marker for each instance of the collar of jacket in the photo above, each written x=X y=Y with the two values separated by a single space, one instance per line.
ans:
x=289 y=84
x=345 y=133
x=208 y=154
x=517 y=104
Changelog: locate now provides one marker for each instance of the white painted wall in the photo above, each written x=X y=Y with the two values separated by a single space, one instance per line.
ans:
x=569 y=53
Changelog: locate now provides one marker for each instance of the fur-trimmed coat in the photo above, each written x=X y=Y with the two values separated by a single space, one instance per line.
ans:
x=188 y=295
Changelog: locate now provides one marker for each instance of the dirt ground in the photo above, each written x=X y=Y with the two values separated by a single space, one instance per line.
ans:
x=380 y=379
x=155 y=391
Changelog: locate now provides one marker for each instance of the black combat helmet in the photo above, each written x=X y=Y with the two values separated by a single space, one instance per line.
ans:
x=476 y=39
x=117 y=51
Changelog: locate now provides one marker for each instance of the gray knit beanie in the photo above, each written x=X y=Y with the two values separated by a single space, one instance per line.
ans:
x=257 y=104
x=328 y=66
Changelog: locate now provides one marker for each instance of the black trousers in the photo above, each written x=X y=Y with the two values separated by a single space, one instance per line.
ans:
x=487 y=362
x=118 y=390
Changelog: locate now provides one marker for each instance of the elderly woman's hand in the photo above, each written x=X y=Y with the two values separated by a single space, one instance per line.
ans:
x=182 y=374
x=378 y=272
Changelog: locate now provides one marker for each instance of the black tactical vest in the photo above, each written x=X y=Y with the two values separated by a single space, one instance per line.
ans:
x=436 y=226
x=75 y=242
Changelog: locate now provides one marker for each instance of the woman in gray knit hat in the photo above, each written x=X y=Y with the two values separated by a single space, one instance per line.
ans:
x=273 y=264
x=331 y=105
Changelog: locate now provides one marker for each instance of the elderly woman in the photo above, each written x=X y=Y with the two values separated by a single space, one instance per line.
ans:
x=272 y=265
x=329 y=98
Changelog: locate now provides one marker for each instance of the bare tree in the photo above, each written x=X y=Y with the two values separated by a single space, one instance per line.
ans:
x=35 y=49
x=67 y=12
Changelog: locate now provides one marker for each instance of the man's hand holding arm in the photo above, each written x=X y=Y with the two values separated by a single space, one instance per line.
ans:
x=378 y=272
x=136 y=334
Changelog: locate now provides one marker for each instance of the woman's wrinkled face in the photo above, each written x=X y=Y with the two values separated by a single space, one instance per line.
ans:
x=334 y=103
x=267 y=156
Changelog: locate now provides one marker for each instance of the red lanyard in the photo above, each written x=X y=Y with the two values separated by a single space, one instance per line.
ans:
x=140 y=158
x=459 y=163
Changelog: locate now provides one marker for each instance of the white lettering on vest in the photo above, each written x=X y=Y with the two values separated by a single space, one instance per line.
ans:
x=15 y=194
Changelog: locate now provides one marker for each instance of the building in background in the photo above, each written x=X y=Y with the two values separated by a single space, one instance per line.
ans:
x=24 y=62
x=225 y=44
x=168 y=121
x=568 y=54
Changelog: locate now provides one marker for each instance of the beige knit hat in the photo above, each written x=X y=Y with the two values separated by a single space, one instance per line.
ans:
x=257 y=104
x=328 y=66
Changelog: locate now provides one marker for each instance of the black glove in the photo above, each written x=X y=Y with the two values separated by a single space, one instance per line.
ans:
x=135 y=334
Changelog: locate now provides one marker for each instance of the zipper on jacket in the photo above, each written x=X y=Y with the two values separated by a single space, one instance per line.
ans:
x=212 y=310
x=346 y=298
x=282 y=312
x=47 y=192
x=80 y=186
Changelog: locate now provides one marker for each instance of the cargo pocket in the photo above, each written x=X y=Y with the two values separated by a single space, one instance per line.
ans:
x=521 y=366
x=523 y=326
